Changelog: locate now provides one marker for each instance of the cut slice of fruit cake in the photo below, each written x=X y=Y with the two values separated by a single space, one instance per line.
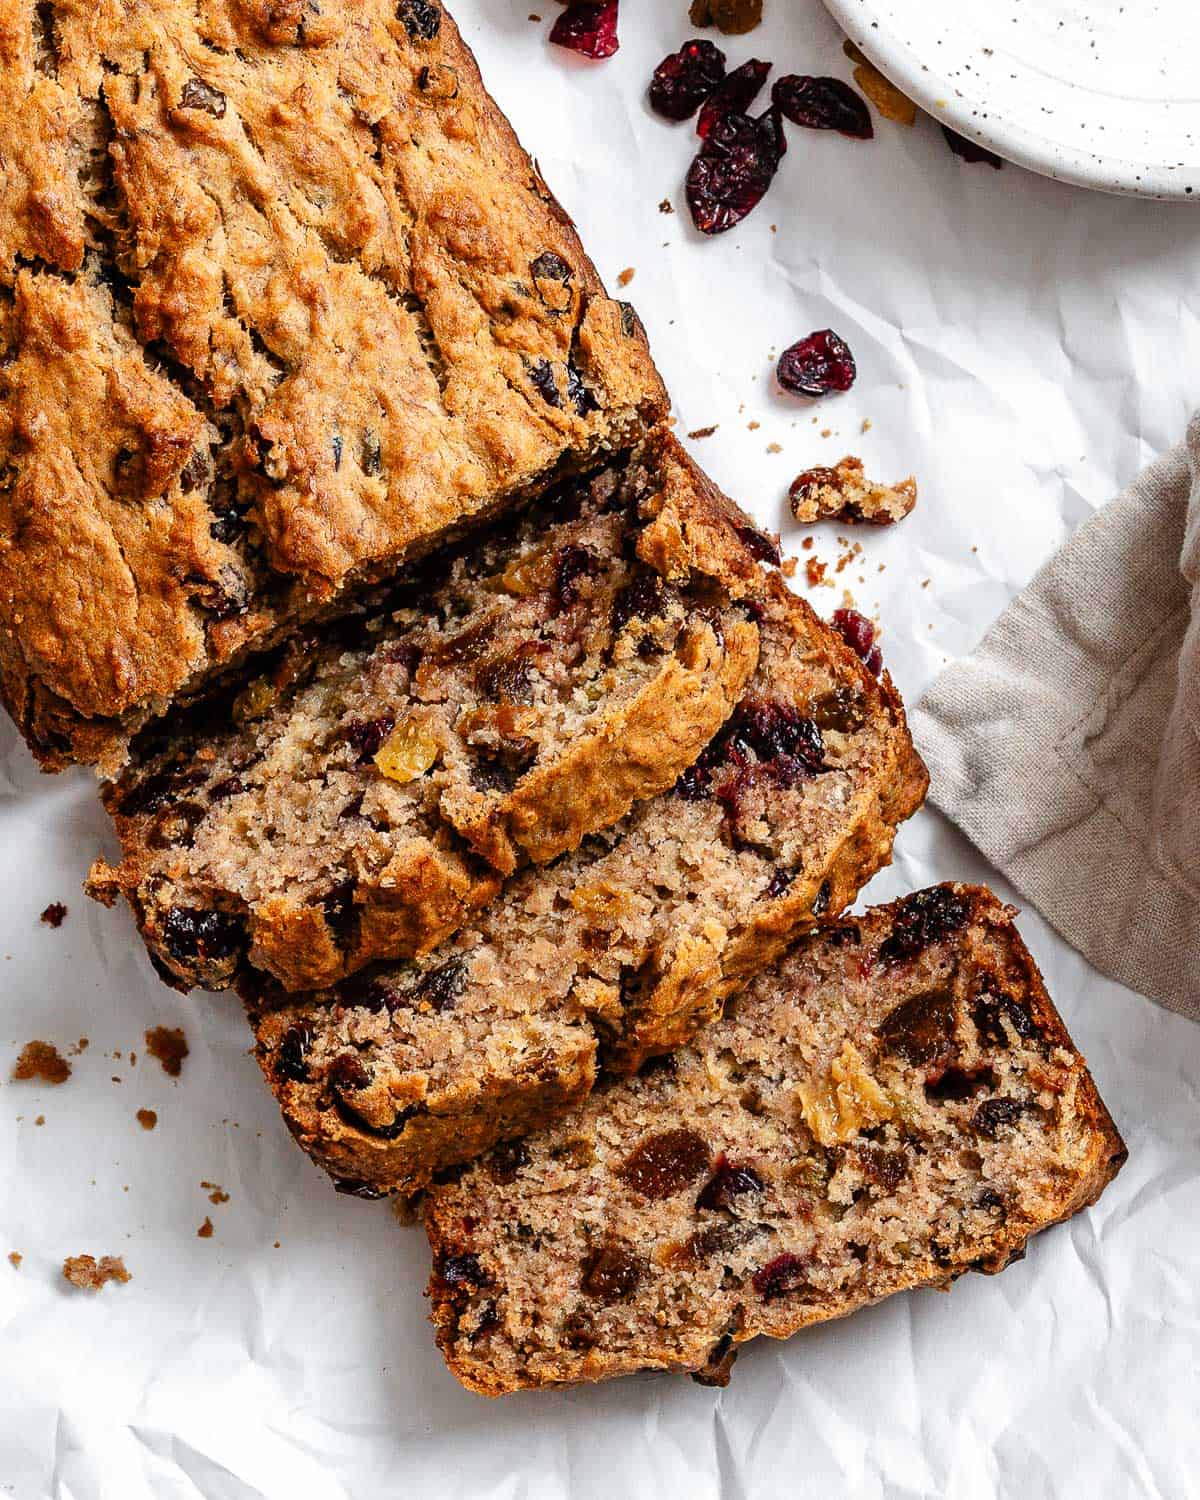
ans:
x=895 y=1103
x=364 y=795
x=616 y=951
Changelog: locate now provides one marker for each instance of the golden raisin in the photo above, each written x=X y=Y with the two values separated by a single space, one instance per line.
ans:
x=407 y=753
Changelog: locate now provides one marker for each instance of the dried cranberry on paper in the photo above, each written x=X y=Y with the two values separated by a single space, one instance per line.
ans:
x=685 y=79
x=969 y=150
x=588 y=27
x=734 y=96
x=817 y=365
x=734 y=169
x=859 y=634
x=823 y=104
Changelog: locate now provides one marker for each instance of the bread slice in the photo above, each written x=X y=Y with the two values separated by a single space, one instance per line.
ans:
x=619 y=950
x=895 y=1103
x=283 y=304
x=364 y=796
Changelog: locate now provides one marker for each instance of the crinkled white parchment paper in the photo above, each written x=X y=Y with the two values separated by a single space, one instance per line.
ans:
x=1025 y=349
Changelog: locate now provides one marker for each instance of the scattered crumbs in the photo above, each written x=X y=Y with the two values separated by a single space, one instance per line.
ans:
x=774 y=228
x=753 y=426
x=90 y=1274
x=277 y=1245
x=866 y=425
x=974 y=549
x=41 y=1120
x=826 y=432
x=814 y=571
x=807 y=544
x=54 y=914
x=216 y=1193
x=115 y=1079
x=774 y=447
x=205 y=1232
x=848 y=600
x=115 y=1054
x=882 y=567
x=80 y=1046
x=14 y=1259
x=704 y=432
x=853 y=551
x=147 y=1118
x=626 y=276
x=133 y=1059
x=925 y=582
x=169 y=1045
x=666 y=207
x=533 y=16
x=41 y=1060
x=788 y=566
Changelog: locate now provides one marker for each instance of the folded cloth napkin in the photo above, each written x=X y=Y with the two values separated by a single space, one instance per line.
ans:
x=1068 y=746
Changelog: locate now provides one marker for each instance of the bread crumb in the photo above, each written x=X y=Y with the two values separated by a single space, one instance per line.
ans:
x=147 y=1119
x=925 y=582
x=774 y=447
x=666 y=207
x=14 y=1259
x=626 y=276
x=276 y=1246
x=788 y=566
x=844 y=493
x=80 y=1046
x=41 y=1120
x=807 y=544
x=866 y=425
x=205 y=1232
x=814 y=571
x=41 y=1060
x=826 y=432
x=753 y=426
x=169 y=1045
x=54 y=914
x=90 y=1274
x=216 y=1194
x=703 y=432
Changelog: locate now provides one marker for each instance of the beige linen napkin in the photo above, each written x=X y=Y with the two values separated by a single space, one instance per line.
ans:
x=1068 y=746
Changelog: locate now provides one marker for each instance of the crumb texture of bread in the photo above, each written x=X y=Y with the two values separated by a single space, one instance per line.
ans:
x=89 y=1274
x=844 y=493
x=617 y=951
x=282 y=303
x=364 y=795
x=41 y=1061
x=895 y=1103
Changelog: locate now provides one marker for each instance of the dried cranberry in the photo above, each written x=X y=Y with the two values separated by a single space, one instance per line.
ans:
x=685 y=79
x=922 y=1028
x=924 y=917
x=994 y=1114
x=152 y=792
x=507 y=1160
x=541 y=373
x=728 y=1182
x=422 y=19
x=663 y=1164
x=821 y=900
x=571 y=563
x=733 y=170
x=231 y=786
x=461 y=1270
x=440 y=987
x=823 y=104
x=588 y=27
x=778 y=883
x=816 y=365
x=950 y=1085
x=552 y=281
x=859 y=634
x=610 y=1274
x=291 y=1054
x=366 y=735
x=203 y=96
x=191 y=932
x=580 y=397
x=780 y=1276
x=986 y=1012
x=759 y=545
x=734 y=95
x=774 y=731
x=970 y=151
x=347 y=1071
x=885 y=1169
x=642 y=598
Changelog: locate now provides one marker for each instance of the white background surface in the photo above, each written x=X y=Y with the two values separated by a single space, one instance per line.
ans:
x=1025 y=348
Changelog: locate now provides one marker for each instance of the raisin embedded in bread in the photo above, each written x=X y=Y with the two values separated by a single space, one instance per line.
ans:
x=282 y=304
x=362 y=798
x=617 y=951
x=896 y=1103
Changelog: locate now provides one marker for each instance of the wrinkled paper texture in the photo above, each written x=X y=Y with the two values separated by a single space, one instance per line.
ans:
x=1025 y=349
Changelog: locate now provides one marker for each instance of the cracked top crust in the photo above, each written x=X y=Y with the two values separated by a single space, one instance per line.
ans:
x=282 y=302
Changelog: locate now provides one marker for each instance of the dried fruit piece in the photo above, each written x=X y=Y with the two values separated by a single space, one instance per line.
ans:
x=663 y=1164
x=407 y=753
x=970 y=151
x=421 y=18
x=845 y=494
x=816 y=365
x=438 y=82
x=922 y=1028
x=732 y=17
x=779 y=1276
x=823 y=104
x=685 y=79
x=462 y=1270
x=736 y=93
x=733 y=170
x=610 y=1274
x=849 y=1100
x=859 y=634
x=995 y=1114
x=884 y=95
x=552 y=281
x=923 y=918
x=587 y=27
x=728 y=1181
x=203 y=96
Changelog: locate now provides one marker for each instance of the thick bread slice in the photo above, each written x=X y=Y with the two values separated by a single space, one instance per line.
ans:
x=622 y=949
x=893 y=1104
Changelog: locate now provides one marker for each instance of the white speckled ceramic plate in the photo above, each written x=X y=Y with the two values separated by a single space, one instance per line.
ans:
x=1104 y=93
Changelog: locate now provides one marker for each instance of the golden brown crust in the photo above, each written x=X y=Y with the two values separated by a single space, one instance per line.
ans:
x=509 y=1239
x=349 y=319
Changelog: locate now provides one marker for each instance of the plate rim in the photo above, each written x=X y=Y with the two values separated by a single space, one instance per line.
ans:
x=943 y=100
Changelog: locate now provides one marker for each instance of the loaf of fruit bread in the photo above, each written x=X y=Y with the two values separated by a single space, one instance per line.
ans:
x=363 y=797
x=895 y=1103
x=617 y=951
x=282 y=304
